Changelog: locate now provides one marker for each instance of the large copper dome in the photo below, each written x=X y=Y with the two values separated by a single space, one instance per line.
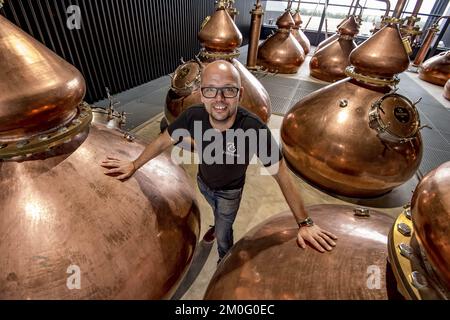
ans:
x=39 y=90
x=68 y=231
x=436 y=70
x=430 y=208
x=356 y=137
x=281 y=52
x=268 y=264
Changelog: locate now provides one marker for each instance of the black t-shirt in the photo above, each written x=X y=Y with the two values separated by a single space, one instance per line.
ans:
x=225 y=156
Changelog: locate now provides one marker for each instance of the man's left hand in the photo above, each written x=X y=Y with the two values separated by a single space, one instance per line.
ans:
x=320 y=239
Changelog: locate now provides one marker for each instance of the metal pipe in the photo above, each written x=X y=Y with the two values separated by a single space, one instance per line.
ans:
x=350 y=9
x=427 y=42
x=412 y=20
x=356 y=6
x=324 y=14
x=417 y=8
x=255 y=33
x=289 y=5
x=388 y=7
x=362 y=10
x=399 y=8
x=310 y=17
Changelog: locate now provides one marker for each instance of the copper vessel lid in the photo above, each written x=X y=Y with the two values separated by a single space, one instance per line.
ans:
x=285 y=21
x=220 y=33
x=267 y=262
x=39 y=90
x=350 y=27
x=398 y=115
x=382 y=55
x=430 y=207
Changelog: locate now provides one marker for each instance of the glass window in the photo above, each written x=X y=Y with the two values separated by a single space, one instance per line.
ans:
x=338 y=9
x=311 y=12
x=445 y=41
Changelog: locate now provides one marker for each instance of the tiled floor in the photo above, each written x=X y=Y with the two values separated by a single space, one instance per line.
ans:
x=262 y=197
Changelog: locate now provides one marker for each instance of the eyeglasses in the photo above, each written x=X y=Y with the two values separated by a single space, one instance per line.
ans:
x=227 y=92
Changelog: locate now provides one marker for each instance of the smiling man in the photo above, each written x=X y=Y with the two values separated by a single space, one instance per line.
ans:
x=227 y=137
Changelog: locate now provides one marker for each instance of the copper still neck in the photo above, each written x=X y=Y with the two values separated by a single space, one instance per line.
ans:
x=399 y=8
x=255 y=33
x=41 y=94
x=228 y=40
x=349 y=28
x=231 y=10
x=285 y=21
x=297 y=18
x=371 y=60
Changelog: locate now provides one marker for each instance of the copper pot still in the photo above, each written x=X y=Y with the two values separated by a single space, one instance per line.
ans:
x=281 y=52
x=436 y=70
x=430 y=208
x=366 y=137
x=329 y=63
x=268 y=264
x=185 y=85
x=298 y=33
x=68 y=230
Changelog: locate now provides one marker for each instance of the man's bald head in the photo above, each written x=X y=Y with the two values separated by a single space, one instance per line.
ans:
x=220 y=68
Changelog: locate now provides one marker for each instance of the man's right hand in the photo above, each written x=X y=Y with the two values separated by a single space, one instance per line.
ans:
x=122 y=168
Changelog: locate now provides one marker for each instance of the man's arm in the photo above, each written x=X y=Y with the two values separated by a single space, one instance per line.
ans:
x=126 y=168
x=319 y=238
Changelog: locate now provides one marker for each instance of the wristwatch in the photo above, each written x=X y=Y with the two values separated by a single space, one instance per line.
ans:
x=308 y=222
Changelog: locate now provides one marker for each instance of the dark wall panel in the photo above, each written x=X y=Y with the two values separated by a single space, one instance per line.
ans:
x=243 y=19
x=121 y=43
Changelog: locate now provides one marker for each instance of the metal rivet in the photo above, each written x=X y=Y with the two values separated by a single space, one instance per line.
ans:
x=44 y=137
x=418 y=280
x=404 y=229
x=406 y=250
x=129 y=137
x=361 y=212
x=407 y=210
x=22 y=144
x=408 y=213
x=343 y=103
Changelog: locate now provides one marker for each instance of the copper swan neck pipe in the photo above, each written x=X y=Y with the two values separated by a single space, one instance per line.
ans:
x=399 y=8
